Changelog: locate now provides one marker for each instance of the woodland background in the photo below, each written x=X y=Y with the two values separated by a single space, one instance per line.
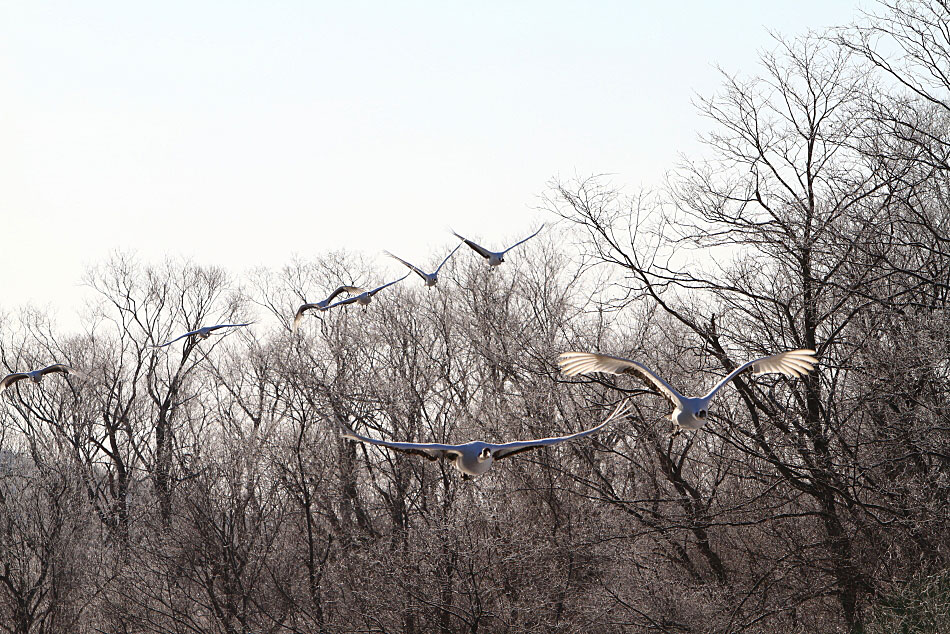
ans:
x=205 y=487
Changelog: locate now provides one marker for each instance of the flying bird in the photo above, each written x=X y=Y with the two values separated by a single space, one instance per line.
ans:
x=688 y=412
x=476 y=457
x=495 y=258
x=37 y=375
x=202 y=333
x=429 y=278
x=364 y=298
x=321 y=306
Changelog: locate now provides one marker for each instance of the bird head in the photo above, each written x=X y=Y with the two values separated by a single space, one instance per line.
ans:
x=484 y=455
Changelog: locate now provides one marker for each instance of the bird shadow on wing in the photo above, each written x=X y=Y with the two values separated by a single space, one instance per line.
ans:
x=412 y=452
x=515 y=452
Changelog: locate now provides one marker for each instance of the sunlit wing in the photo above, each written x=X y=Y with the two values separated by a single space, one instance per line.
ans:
x=621 y=412
x=482 y=251
x=10 y=379
x=792 y=363
x=353 y=290
x=433 y=451
x=525 y=240
x=573 y=363
x=300 y=313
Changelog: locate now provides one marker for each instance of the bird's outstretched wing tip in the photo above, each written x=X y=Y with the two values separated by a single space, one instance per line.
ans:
x=793 y=363
x=574 y=363
x=621 y=412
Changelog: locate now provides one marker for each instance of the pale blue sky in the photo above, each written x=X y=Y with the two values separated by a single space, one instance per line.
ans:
x=240 y=133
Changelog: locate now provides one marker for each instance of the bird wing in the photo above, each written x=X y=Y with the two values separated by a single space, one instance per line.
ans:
x=353 y=290
x=482 y=251
x=459 y=246
x=376 y=290
x=432 y=451
x=343 y=302
x=300 y=312
x=621 y=412
x=414 y=269
x=793 y=363
x=525 y=240
x=168 y=343
x=10 y=379
x=573 y=363
x=61 y=367
x=213 y=328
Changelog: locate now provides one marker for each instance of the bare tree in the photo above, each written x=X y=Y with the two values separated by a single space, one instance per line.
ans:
x=781 y=211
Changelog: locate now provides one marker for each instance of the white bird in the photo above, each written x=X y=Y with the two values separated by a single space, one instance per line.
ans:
x=364 y=298
x=688 y=412
x=495 y=258
x=202 y=333
x=37 y=375
x=321 y=306
x=429 y=278
x=476 y=457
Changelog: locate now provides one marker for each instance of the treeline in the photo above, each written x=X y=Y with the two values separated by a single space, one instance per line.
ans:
x=205 y=487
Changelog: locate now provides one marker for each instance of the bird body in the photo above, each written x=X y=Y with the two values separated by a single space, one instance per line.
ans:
x=37 y=375
x=202 y=333
x=495 y=257
x=688 y=412
x=691 y=414
x=476 y=457
x=325 y=304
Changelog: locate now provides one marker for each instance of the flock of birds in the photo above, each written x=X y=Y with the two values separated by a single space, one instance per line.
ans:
x=476 y=457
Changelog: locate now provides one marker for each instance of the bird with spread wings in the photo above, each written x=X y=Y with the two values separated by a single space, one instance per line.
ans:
x=495 y=257
x=37 y=375
x=476 y=457
x=688 y=412
x=324 y=304
x=364 y=298
x=202 y=333
x=431 y=279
